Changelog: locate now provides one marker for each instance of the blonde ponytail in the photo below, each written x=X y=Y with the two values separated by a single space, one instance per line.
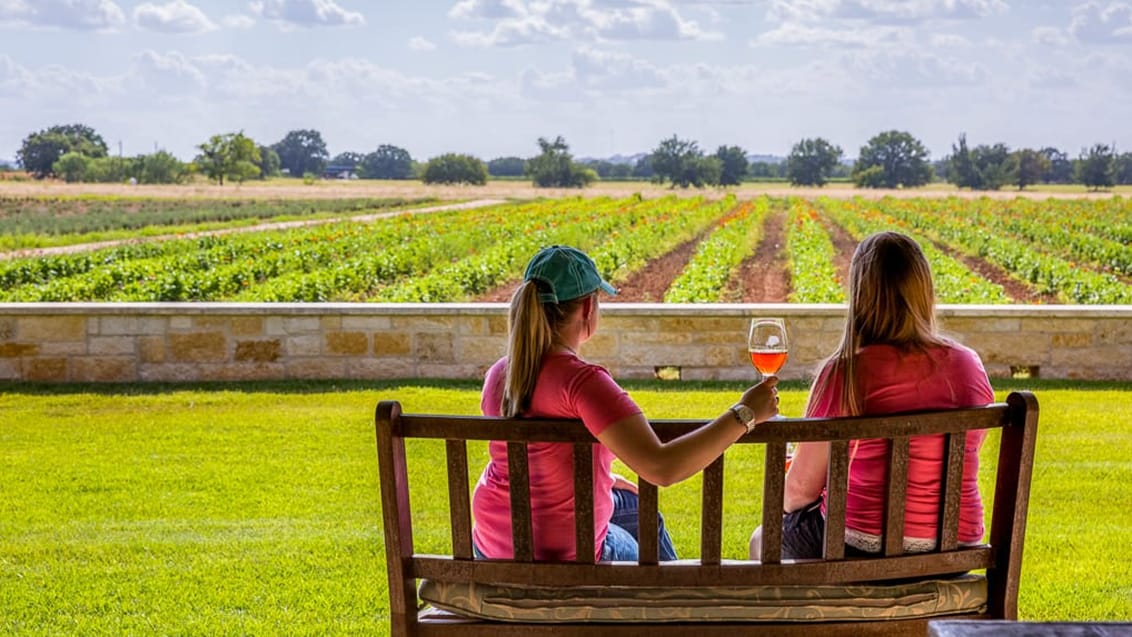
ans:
x=531 y=332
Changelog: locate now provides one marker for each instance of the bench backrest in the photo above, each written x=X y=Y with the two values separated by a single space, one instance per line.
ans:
x=1001 y=556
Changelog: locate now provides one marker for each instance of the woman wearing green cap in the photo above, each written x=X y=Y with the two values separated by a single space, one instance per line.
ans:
x=553 y=311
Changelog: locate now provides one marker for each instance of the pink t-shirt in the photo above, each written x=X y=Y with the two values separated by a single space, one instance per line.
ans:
x=567 y=387
x=893 y=381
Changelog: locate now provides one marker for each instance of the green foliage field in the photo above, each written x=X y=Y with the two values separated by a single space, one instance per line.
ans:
x=253 y=509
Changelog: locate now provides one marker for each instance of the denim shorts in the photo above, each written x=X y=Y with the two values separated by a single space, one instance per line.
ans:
x=803 y=534
x=621 y=538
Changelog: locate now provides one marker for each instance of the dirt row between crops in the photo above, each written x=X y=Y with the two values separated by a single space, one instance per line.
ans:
x=281 y=225
x=764 y=277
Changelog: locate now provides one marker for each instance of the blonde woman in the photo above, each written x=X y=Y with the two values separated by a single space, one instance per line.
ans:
x=553 y=312
x=891 y=359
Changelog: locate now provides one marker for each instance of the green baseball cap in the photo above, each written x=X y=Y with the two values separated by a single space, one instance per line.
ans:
x=568 y=272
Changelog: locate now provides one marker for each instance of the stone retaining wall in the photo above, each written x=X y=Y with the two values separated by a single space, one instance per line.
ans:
x=131 y=342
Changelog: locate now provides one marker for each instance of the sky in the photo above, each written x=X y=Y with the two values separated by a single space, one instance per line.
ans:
x=612 y=77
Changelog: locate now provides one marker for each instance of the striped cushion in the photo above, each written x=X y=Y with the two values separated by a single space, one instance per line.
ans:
x=967 y=593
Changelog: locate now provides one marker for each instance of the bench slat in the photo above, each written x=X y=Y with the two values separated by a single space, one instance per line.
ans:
x=519 y=480
x=897 y=489
x=951 y=490
x=459 y=504
x=584 y=504
x=711 y=517
x=774 y=469
x=648 y=543
x=837 y=483
x=691 y=573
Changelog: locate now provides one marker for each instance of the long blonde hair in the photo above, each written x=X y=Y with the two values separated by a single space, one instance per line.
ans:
x=532 y=329
x=891 y=302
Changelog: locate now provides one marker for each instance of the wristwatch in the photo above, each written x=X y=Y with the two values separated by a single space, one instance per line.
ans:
x=745 y=415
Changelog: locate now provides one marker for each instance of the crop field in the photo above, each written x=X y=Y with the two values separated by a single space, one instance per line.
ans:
x=656 y=247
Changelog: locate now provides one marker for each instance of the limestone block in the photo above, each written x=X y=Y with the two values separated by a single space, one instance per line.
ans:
x=482 y=350
x=304 y=345
x=448 y=370
x=243 y=371
x=430 y=323
x=970 y=325
x=366 y=323
x=18 y=350
x=198 y=347
x=247 y=326
x=103 y=369
x=324 y=368
x=392 y=344
x=151 y=349
x=434 y=347
x=7 y=328
x=180 y=323
x=301 y=324
x=330 y=323
x=10 y=369
x=63 y=348
x=1011 y=349
x=635 y=338
x=497 y=325
x=258 y=351
x=1060 y=324
x=1108 y=332
x=117 y=325
x=381 y=368
x=110 y=345
x=46 y=370
x=51 y=328
x=169 y=372
x=347 y=343
x=1075 y=339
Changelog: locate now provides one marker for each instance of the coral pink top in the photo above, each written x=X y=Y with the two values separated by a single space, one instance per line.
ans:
x=892 y=381
x=567 y=387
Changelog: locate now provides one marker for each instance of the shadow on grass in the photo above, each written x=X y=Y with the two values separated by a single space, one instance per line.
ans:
x=345 y=386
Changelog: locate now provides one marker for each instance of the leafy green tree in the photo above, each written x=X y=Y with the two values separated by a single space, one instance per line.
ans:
x=1060 y=166
x=1032 y=166
x=683 y=163
x=1096 y=167
x=269 y=165
x=903 y=161
x=554 y=167
x=388 y=162
x=768 y=170
x=231 y=156
x=733 y=165
x=347 y=159
x=1124 y=168
x=960 y=167
x=643 y=169
x=39 y=151
x=811 y=161
x=455 y=168
x=995 y=165
x=507 y=167
x=302 y=152
x=160 y=167
x=72 y=167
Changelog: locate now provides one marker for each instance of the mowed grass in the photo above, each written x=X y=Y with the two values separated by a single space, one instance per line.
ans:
x=254 y=509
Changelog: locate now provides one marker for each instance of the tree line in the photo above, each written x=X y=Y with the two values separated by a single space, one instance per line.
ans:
x=890 y=159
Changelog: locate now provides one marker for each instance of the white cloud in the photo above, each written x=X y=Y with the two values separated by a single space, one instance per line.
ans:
x=83 y=15
x=1049 y=36
x=575 y=20
x=238 y=21
x=166 y=76
x=177 y=16
x=910 y=11
x=418 y=43
x=51 y=83
x=794 y=34
x=307 y=13
x=1097 y=24
x=949 y=41
x=914 y=70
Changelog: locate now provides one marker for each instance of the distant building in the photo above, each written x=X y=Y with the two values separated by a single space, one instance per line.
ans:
x=340 y=172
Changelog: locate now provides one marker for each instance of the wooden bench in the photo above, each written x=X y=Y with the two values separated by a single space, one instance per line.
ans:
x=1000 y=558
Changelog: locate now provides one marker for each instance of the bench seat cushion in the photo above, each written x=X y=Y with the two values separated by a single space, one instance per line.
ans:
x=864 y=602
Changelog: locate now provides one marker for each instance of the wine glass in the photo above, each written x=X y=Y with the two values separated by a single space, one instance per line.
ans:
x=768 y=346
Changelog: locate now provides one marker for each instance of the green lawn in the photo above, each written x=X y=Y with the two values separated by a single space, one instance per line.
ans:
x=253 y=509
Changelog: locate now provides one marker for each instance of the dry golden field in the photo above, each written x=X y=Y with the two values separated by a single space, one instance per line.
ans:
x=291 y=188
